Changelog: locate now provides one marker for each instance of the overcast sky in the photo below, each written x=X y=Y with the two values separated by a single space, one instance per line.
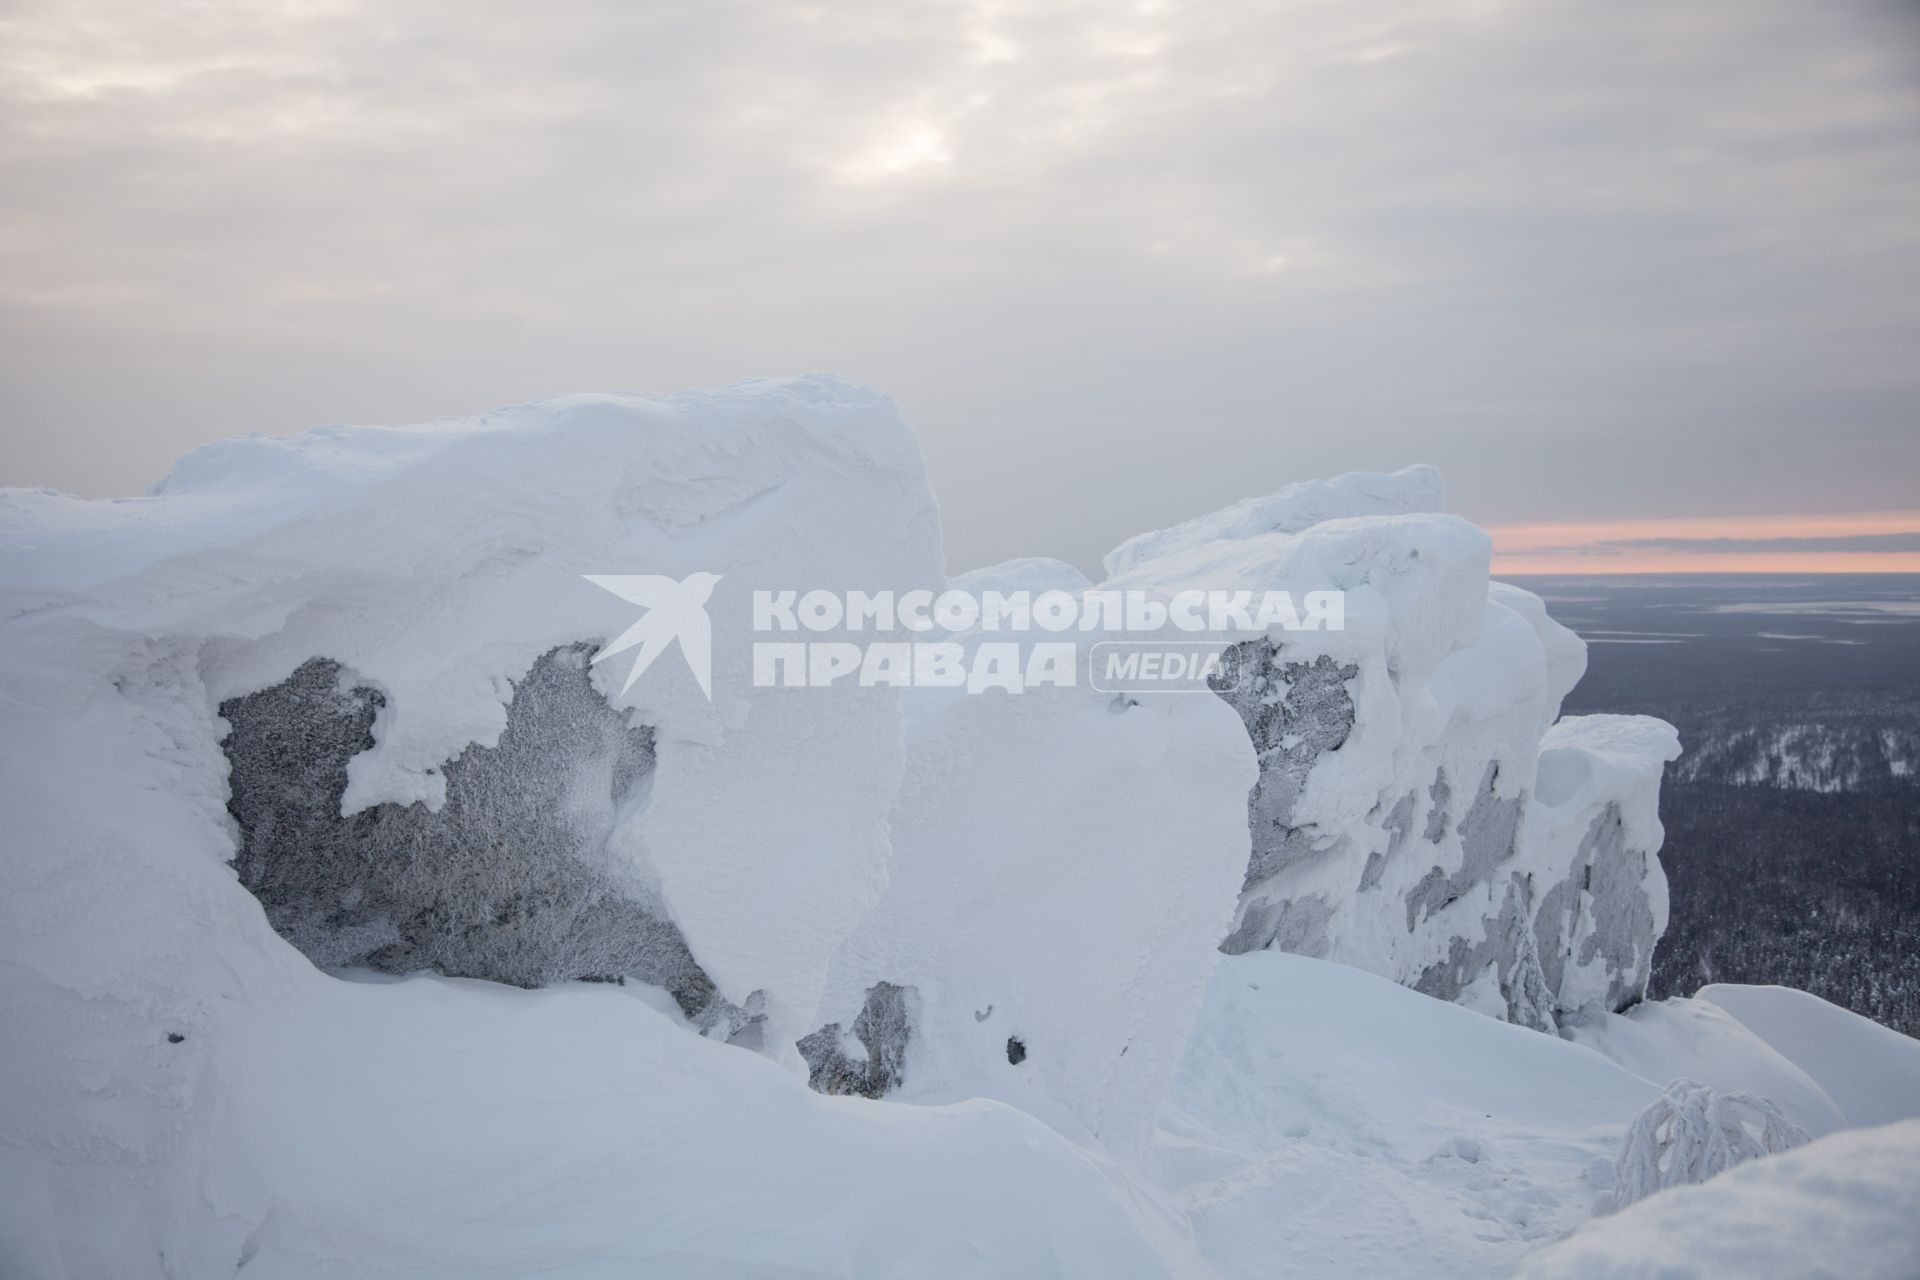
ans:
x=1120 y=263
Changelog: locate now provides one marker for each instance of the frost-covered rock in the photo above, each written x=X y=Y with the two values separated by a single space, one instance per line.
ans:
x=1398 y=823
x=508 y=880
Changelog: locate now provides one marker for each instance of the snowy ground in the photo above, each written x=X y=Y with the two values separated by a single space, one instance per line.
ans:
x=1325 y=1122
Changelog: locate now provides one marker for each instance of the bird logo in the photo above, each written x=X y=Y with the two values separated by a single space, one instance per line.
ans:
x=674 y=611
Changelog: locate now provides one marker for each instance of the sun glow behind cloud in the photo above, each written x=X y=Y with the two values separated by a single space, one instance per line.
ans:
x=1163 y=254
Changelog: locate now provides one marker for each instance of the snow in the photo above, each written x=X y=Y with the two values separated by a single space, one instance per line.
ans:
x=1871 y=1072
x=1840 y=1208
x=428 y=562
x=1079 y=916
x=1292 y=509
x=1327 y=1122
x=1689 y=1134
x=429 y=1127
x=1019 y=899
x=1698 y=1040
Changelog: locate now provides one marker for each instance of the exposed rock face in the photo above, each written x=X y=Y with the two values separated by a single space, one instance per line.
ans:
x=1505 y=952
x=1295 y=712
x=883 y=1030
x=1487 y=832
x=506 y=881
x=1601 y=913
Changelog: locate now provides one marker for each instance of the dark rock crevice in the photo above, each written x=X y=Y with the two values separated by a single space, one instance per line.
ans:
x=884 y=1028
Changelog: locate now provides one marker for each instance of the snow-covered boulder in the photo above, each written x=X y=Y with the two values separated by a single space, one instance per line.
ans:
x=1399 y=822
x=1065 y=862
x=1693 y=1039
x=363 y=643
x=1594 y=832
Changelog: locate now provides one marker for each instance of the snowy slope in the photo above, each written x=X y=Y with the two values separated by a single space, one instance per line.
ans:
x=1871 y=1072
x=1680 y=1039
x=1329 y=1122
x=1326 y=1122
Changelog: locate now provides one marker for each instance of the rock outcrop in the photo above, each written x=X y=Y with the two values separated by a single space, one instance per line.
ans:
x=1415 y=813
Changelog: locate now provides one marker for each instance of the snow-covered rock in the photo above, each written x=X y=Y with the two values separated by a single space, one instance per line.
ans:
x=1593 y=837
x=1064 y=863
x=335 y=691
x=438 y=567
x=1415 y=815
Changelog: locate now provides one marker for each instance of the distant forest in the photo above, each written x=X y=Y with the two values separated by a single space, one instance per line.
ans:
x=1797 y=888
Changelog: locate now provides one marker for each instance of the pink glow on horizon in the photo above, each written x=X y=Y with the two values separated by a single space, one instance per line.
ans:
x=1581 y=548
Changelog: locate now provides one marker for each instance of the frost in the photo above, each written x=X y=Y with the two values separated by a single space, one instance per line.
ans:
x=1691 y=1133
x=508 y=880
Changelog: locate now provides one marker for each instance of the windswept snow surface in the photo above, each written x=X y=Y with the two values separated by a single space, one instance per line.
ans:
x=1840 y=1208
x=429 y=1127
x=1327 y=1122
x=1871 y=1072
x=1683 y=1039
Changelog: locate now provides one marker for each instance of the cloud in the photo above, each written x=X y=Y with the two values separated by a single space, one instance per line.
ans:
x=1121 y=263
